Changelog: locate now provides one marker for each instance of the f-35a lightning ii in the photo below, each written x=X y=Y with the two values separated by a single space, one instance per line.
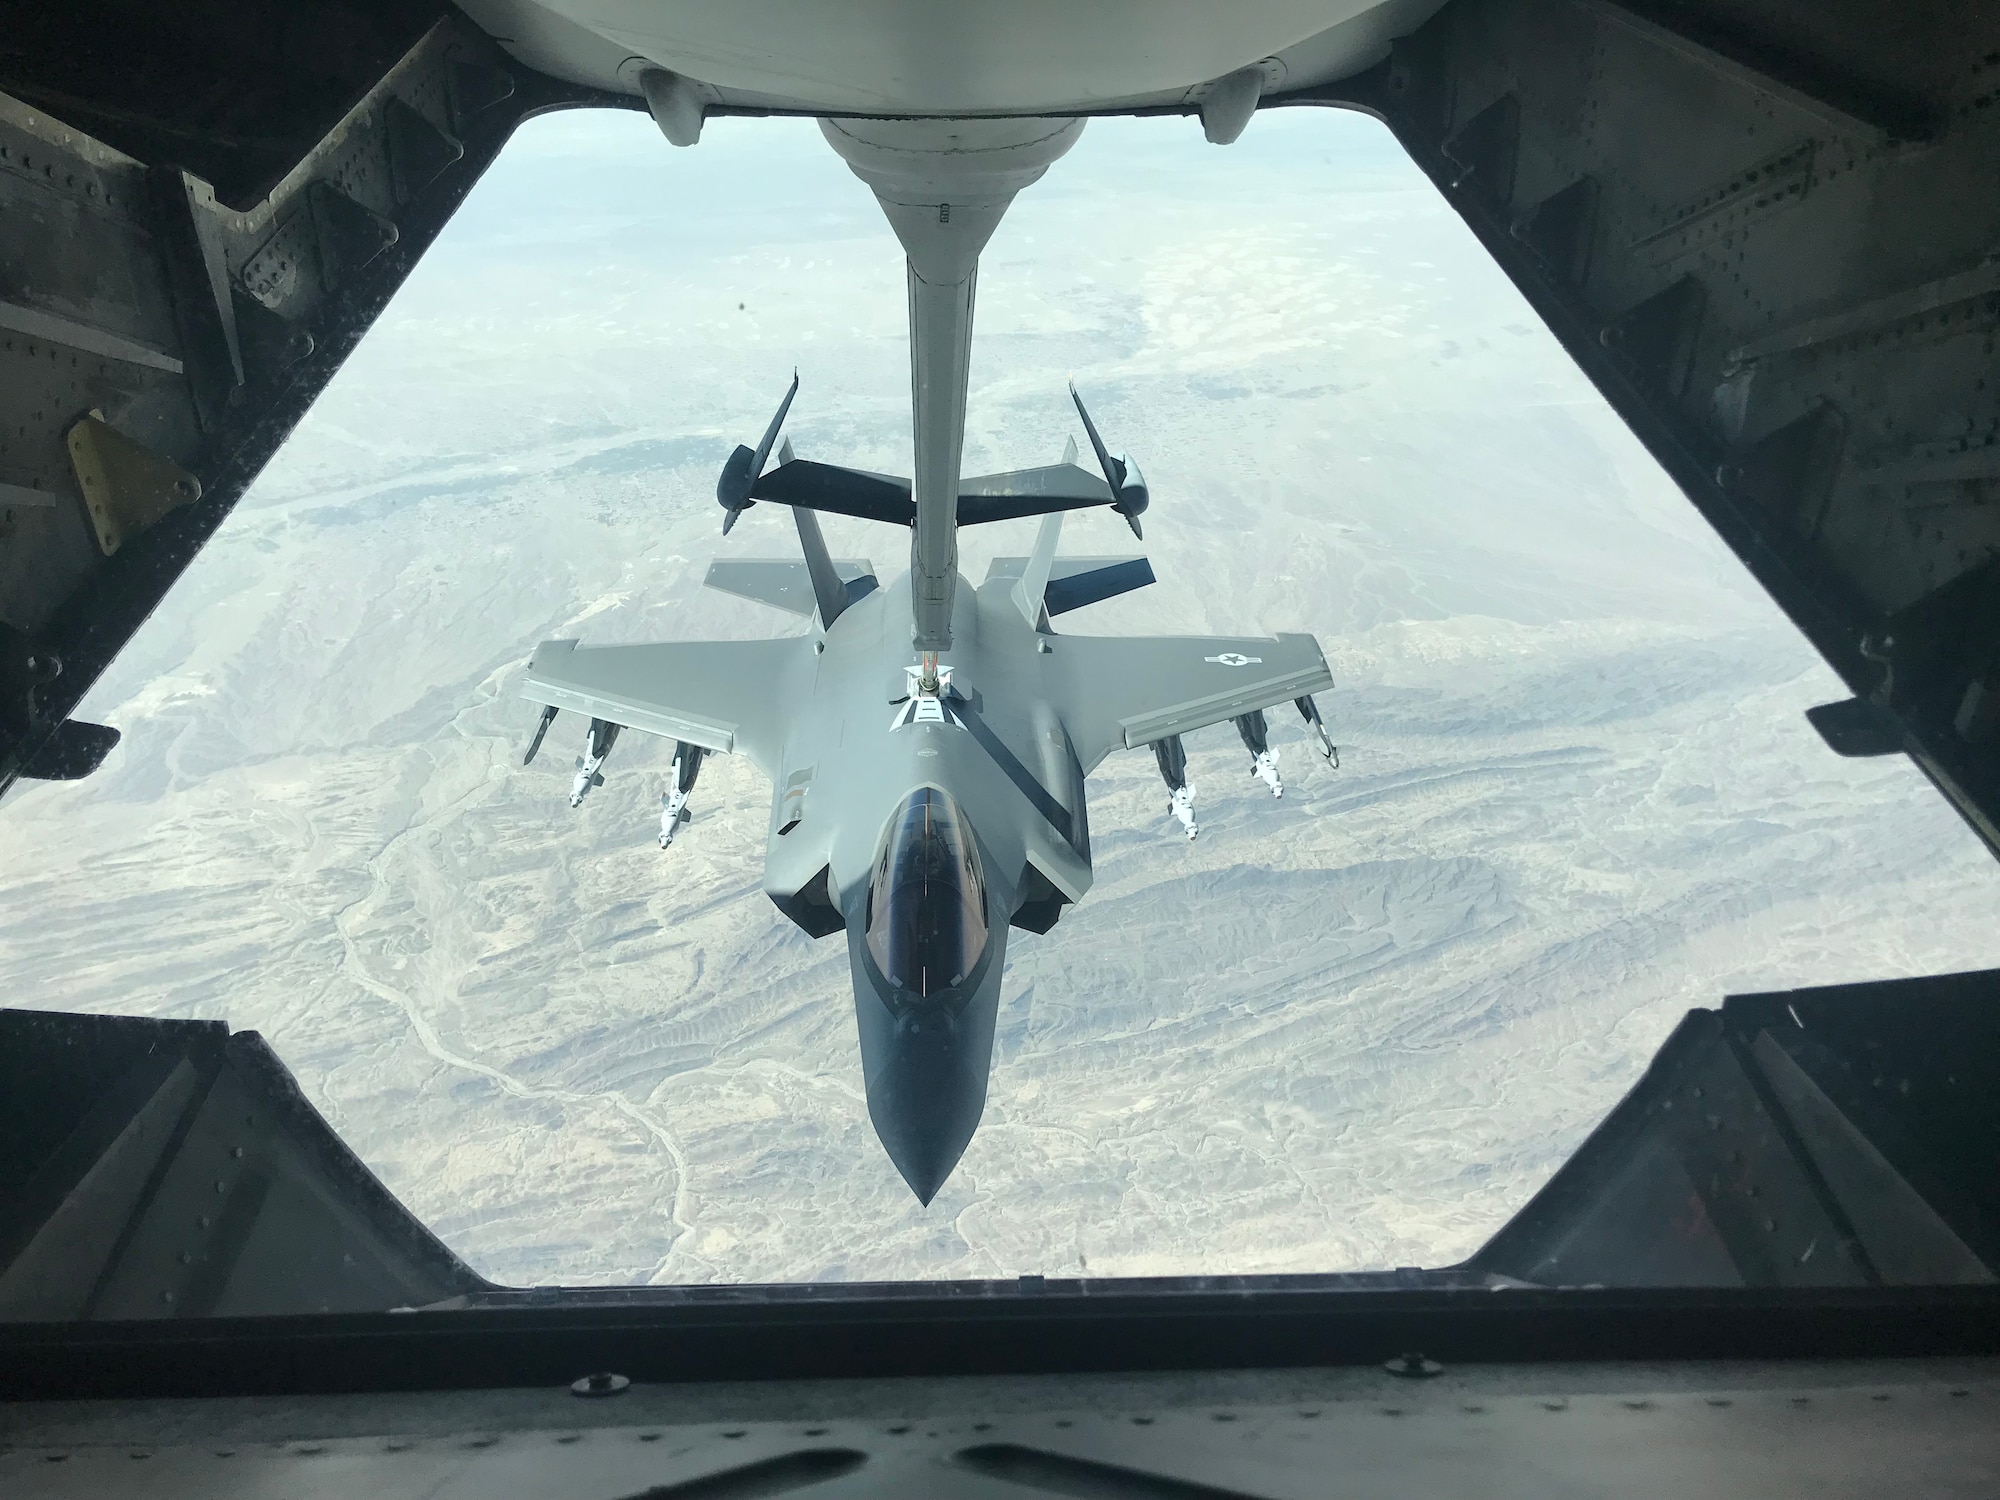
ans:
x=928 y=743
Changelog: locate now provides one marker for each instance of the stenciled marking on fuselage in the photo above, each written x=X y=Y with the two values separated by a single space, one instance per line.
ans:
x=924 y=710
x=1234 y=659
x=920 y=707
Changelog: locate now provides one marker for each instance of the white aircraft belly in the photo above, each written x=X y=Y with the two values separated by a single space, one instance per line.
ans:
x=905 y=56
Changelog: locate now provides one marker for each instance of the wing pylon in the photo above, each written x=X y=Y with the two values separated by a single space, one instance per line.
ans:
x=1118 y=692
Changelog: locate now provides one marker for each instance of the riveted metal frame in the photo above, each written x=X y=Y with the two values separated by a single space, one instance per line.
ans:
x=202 y=330
x=1765 y=233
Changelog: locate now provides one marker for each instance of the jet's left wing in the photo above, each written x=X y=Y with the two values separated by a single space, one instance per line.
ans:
x=722 y=695
x=1121 y=692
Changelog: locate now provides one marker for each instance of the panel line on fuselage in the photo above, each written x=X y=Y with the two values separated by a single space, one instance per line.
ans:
x=1053 y=812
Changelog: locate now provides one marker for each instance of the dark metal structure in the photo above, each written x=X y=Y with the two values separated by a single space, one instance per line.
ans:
x=162 y=1171
x=1767 y=231
x=1770 y=1429
x=1793 y=1209
x=202 y=210
x=166 y=1169
x=1829 y=1137
x=1815 y=1139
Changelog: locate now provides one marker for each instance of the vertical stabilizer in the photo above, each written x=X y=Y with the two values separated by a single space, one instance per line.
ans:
x=1033 y=584
x=829 y=592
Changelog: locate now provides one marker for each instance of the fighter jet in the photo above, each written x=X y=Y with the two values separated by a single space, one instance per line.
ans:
x=928 y=741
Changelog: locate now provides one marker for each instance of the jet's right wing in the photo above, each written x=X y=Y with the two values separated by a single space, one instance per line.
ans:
x=722 y=695
x=839 y=491
x=1121 y=692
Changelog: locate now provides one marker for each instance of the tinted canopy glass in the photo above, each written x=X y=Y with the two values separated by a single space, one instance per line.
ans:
x=927 y=899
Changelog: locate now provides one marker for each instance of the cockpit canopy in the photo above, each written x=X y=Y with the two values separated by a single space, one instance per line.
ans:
x=927 y=898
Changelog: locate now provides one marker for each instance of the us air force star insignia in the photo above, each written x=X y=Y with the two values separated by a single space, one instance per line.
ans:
x=1234 y=659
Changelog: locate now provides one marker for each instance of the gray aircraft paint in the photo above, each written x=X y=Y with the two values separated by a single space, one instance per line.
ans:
x=1031 y=715
x=849 y=726
x=997 y=57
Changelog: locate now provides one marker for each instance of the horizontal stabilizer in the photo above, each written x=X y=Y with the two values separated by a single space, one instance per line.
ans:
x=1091 y=586
x=884 y=497
x=838 y=491
x=1077 y=581
x=786 y=584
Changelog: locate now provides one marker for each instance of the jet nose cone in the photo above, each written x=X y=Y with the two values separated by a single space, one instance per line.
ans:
x=925 y=1100
x=925 y=1157
x=927 y=1085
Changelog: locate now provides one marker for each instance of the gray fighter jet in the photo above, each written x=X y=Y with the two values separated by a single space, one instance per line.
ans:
x=927 y=742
